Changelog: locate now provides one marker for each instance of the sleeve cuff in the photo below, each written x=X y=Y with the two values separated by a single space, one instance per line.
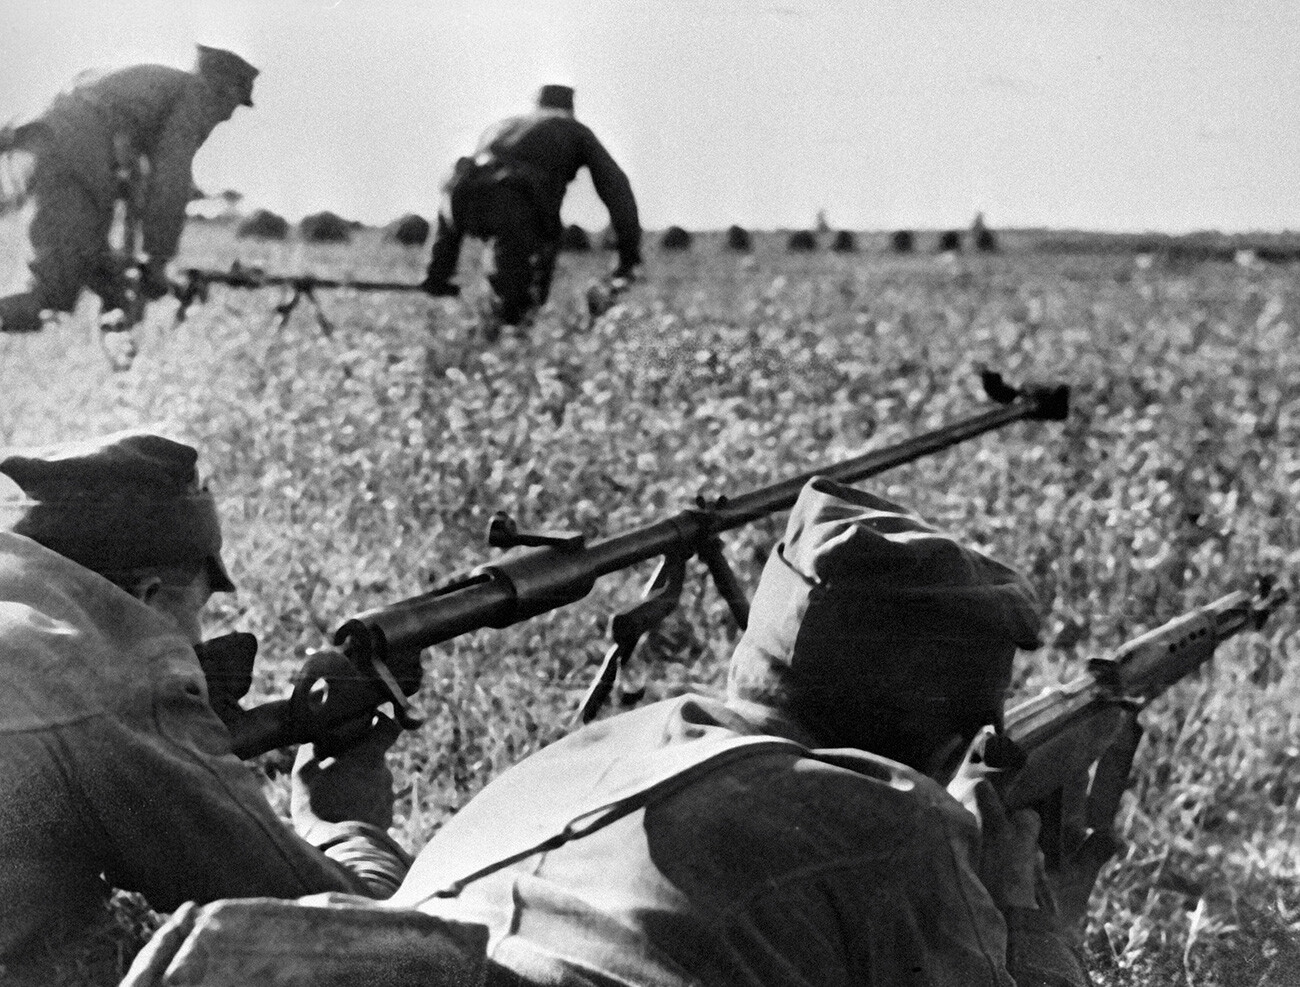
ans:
x=379 y=861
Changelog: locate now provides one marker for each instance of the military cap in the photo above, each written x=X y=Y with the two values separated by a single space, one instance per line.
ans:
x=555 y=97
x=112 y=504
x=226 y=68
x=863 y=604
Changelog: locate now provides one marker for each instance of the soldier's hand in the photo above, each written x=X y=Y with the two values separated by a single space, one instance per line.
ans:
x=153 y=279
x=1010 y=862
x=151 y=964
x=354 y=784
x=1088 y=824
x=625 y=272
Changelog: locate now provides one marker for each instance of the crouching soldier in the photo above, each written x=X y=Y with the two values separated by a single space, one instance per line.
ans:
x=797 y=833
x=127 y=135
x=114 y=769
x=510 y=192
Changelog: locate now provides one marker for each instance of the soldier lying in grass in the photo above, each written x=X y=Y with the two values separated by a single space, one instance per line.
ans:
x=808 y=830
x=114 y=769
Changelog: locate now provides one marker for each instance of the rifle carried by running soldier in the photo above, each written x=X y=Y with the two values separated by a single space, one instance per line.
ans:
x=195 y=283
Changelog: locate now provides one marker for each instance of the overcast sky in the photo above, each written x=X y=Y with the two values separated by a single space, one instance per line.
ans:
x=915 y=113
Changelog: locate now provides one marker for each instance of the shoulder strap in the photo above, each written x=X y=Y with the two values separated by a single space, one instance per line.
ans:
x=669 y=769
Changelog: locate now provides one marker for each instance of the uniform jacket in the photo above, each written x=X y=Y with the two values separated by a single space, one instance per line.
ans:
x=775 y=866
x=115 y=771
x=152 y=111
x=548 y=148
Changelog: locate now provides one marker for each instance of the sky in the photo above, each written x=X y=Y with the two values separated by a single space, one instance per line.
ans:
x=1091 y=114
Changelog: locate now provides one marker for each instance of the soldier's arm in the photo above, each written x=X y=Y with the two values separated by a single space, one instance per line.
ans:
x=615 y=192
x=187 y=820
x=171 y=177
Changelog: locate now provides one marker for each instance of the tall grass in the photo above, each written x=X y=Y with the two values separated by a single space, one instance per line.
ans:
x=356 y=468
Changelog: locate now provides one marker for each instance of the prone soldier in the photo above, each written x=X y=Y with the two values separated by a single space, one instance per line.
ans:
x=830 y=822
x=115 y=771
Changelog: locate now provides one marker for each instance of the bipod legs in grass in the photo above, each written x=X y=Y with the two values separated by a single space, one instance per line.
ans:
x=285 y=309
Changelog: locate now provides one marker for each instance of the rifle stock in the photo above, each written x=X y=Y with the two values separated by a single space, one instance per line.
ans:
x=562 y=568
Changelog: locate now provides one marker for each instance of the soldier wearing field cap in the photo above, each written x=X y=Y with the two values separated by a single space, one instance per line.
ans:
x=114 y=769
x=799 y=833
x=510 y=192
x=126 y=135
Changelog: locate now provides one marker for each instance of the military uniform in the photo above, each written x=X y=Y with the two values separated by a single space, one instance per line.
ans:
x=745 y=843
x=132 y=132
x=510 y=192
x=114 y=769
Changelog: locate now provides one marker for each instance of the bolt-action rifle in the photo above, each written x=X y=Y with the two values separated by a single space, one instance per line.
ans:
x=1072 y=747
x=383 y=645
x=196 y=282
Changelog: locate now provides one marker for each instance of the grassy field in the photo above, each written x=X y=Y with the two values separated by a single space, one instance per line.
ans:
x=355 y=468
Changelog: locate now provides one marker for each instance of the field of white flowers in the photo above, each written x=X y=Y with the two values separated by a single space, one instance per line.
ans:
x=355 y=468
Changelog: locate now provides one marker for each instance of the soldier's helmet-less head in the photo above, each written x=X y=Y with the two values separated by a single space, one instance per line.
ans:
x=555 y=97
x=227 y=72
x=114 y=504
x=876 y=631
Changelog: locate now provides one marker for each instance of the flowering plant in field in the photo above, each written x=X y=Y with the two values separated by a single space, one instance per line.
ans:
x=357 y=468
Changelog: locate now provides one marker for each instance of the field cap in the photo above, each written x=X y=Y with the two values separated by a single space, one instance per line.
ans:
x=121 y=502
x=225 y=68
x=864 y=606
x=555 y=97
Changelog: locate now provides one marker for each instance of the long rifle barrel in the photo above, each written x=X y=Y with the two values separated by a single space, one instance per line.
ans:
x=251 y=278
x=545 y=579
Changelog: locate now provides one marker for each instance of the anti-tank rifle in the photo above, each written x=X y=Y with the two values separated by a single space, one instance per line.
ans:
x=196 y=282
x=561 y=568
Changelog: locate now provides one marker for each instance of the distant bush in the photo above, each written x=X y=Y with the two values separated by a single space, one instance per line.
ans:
x=738 y=239
x=902 y=242
x=801 y=242
x=263 y=225
x=410 y=230
x=950 y=241
x=845 y=242
x=675 y=238
x=575 y=239
x=608 y=239
x=325 y=227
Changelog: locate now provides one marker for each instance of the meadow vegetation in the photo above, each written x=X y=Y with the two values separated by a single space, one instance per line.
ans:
x=360 y=467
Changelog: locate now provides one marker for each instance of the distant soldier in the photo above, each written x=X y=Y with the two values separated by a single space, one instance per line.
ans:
x=510 y=192
x=128 y=135
x=115 y=769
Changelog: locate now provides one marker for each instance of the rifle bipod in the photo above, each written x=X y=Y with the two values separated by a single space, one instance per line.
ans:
x=196 y=283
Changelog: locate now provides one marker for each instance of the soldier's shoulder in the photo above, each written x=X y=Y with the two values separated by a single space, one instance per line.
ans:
x=148 y=72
